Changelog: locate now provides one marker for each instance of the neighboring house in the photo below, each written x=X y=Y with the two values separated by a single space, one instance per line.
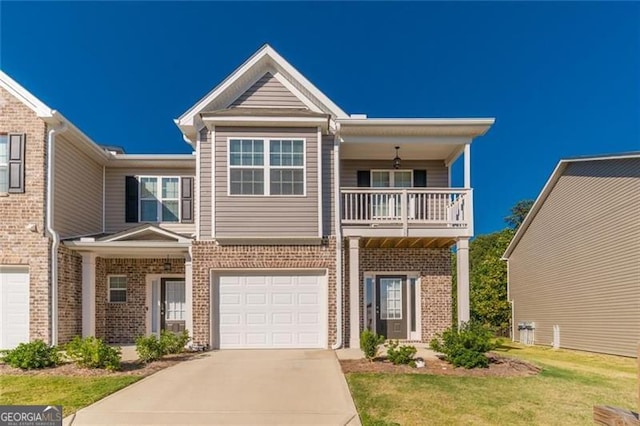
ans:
x=292 y=225
x=574 y=264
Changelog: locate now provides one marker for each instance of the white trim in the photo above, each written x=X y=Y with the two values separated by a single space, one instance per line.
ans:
x=24 y=96
x=467 y=166
x=354 y=292
x=196 y=188
x=319 y=180
x=149 y=278
x=348 y=121
x=337 y=223
x=136 y=231
x=213 y=181
x=269 y=121
x=267 y=167
x=126 y=289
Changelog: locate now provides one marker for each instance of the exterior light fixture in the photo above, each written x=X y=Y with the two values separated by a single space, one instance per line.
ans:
x=396 y=161
x=167 y=265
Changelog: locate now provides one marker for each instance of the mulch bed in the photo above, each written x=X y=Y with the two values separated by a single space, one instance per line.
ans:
x=129 y=368
x=499 y=367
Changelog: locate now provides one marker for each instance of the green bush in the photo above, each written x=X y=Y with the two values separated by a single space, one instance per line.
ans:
x=400 y=354
x=149 y=348
x=465 y=347
x=173 y=343
x=370 y=343
x=92 y=352
x=36 y=354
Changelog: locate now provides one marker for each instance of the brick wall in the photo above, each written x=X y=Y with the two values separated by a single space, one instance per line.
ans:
x=434 y=268
x=19 y=246
x=207 y=255
x=123 y=322
x=69 y=294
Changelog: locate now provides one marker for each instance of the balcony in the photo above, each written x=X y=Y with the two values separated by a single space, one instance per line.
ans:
x=411 y=212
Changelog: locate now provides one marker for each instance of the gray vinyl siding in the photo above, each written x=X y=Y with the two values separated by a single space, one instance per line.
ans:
x=204 y=185
x=578 y=263
x=266 y=216
x=115 y=197
x=437 y=173
x=328 y=199
x=268 y=92
x=77 y=191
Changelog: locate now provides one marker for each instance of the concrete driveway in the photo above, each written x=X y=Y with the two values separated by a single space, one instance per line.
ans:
x=251 y=387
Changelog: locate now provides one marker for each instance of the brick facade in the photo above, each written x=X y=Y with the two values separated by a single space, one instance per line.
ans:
x=69 y=294
x=207 y=255
x=434 y=269
x=18 y=245
x=123 y=322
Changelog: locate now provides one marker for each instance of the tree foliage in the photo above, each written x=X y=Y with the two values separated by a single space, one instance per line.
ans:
x=518 y=212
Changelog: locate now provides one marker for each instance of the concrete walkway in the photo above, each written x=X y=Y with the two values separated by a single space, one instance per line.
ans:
x=283 y=387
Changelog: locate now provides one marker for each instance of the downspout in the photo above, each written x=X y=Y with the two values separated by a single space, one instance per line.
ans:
x=337 y=223
x=52 y=233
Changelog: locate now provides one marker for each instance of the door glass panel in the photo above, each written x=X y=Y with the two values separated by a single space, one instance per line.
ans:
x=175 y=300
x=391 y=298
x=368 y=297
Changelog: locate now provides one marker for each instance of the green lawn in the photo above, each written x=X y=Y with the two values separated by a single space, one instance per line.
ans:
x=564 y=393
x=72 y=393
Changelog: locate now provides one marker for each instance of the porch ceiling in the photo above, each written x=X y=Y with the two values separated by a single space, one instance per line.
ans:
x=409 y=150
x=394 y=242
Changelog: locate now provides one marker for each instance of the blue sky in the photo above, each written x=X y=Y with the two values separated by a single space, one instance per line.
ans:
x=562 y=79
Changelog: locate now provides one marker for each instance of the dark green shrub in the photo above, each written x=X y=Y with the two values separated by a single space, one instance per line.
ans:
x=149 y=348
x=173 y=343
x=36 y=354
x=400 y=354
x=370 y=343
x=92 y=352
x=466 y=346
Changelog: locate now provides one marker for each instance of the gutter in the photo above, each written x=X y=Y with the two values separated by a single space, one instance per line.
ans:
x=52 y=233
x=337 y=224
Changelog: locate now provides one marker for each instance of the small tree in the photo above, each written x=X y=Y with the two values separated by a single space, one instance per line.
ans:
x=370 y=343
x=466 y=346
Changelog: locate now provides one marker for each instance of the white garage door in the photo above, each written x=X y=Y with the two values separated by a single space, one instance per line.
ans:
x=278 y=310
x=14 y=307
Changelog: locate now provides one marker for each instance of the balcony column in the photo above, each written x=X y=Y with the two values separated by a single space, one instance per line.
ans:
x=354 y=292
x=467 y=166
x=88 y=294
x=188 y=293
x=462 y=246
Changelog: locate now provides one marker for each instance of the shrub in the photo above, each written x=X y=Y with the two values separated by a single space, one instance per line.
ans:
x=36 y=354
x=370 y=343
x=401 y=354
x=173 y=343
x=466 y=346
x=149 y=348
x=92 y=352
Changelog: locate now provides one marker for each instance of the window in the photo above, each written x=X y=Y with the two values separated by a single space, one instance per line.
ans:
x=271 y=167
x=4 y=163
x=117 y=289
x=159 y=199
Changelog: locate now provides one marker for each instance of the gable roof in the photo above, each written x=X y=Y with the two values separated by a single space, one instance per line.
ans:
x=144 y=232
x=265 y=60
x=548 y=187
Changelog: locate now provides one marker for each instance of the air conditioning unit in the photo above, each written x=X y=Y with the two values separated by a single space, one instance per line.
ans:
x=527 y=332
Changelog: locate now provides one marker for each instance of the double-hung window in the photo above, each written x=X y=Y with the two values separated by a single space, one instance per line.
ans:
x=159 y=199
x=4 y=163
x=266 y=167
x=117 y=289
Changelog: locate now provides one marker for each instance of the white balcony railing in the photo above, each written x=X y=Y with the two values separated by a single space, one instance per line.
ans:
x=423 y=207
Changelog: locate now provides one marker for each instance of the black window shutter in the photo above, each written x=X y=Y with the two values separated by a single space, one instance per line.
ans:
x=131 y=199
x=16 y=162
x=187 y=199
x=364 y=178
x=420 y=178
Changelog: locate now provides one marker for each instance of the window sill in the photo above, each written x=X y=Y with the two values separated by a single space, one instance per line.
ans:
x=4 y=194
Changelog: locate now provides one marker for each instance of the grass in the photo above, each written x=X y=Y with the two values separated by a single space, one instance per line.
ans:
x=73 y=393
x=564 y=393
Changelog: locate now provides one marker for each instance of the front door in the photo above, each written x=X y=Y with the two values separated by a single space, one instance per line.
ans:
x=388 y=206
x=391 y=296
x=172 y=305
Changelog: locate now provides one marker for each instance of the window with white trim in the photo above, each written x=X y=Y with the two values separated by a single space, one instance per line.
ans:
x=117 y=289
x=266 y=167
x=4 y=163
x=159 y=199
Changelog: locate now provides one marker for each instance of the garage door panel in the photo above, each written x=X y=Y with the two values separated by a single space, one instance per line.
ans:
x=14 y=307
x=275 y=311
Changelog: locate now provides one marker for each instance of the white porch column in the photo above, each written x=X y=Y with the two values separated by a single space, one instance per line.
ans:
x=188 y=298
x=462 y=246
x=467 y=166
x=88 y=294
x=354 y=292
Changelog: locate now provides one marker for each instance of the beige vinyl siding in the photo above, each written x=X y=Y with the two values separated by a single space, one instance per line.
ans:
x=78 y=191
x=328 y=204
x=115 y=197
x=437 y=173
x=578 y=263
x=268 y=92
x=204 y=185
x=266 y=216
